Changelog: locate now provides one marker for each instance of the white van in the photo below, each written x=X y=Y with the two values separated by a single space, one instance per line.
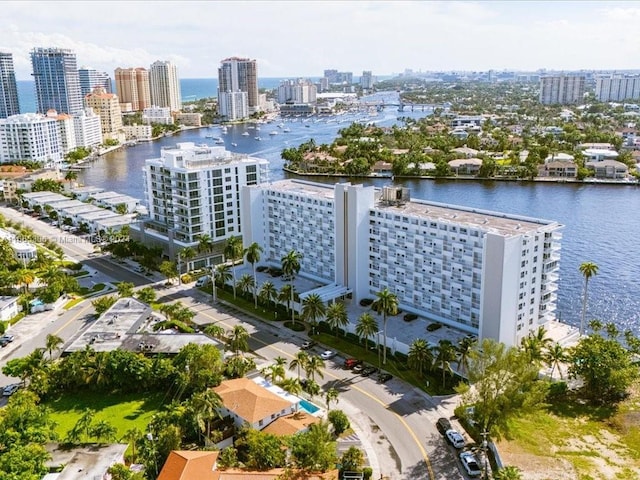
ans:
x=202 y=281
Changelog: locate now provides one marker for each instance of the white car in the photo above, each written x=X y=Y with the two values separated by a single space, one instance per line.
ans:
x=455 y=438
x=327 y=355
x=10 y=389
x=470 y=464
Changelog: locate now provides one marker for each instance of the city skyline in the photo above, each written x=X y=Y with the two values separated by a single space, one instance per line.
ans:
x=385 y=37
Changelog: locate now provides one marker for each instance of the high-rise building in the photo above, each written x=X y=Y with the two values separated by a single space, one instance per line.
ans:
x=132 y=86
x=165 y=86
x=366 y=80
x=336 y=77
x=233 y=105
x=195 y=190
x=490 y=274
x=9 y=104
x=297 y=91
x=238 y=75
x=87 y=128
x=107 y=106
x=561 y=89
x=616 y=88
x=90 y=78
x=30 y=136
x=55 y=72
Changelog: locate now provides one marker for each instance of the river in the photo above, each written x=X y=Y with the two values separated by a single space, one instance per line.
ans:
x=602 y=222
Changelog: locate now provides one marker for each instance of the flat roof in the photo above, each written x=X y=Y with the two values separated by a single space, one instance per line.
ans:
x=119 y=199
x=48 y=198
x=105 y=195
x=88 y=189
x=85 y=207
x=34 y=195
x=118 y=220
x=103 y=213
x=61 y=205
x=290 y=186
x=93 y=460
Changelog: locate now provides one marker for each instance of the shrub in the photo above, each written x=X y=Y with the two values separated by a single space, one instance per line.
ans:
x=187 y=278
x=75 y=266
x=368 y=472
x=296 y=327
x=557 y=390
x=339 y=420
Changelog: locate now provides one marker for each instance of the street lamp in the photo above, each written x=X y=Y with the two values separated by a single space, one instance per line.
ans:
x=213 y=283
x=484 y=449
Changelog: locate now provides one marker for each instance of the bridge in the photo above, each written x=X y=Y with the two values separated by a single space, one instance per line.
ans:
x=400 y=105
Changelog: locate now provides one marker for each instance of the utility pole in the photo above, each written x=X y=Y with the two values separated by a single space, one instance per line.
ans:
x=484 y=448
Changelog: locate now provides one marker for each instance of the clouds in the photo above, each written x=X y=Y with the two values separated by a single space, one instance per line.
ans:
x=303 y=38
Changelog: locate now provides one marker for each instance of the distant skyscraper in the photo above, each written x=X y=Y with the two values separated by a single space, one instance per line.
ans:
x=297 y=91
x=132 y=86
x=55 y=71
x=366 y=80
x=8 y=89
x=165 y=87
x=90 y=78
x=561 y=89
x=615 y=88
x=238 y=75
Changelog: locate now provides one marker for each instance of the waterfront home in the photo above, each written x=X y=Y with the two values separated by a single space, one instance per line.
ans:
x=599 y=154
x=560 y=169
x=382 y=169
x=466 y=152
x=608 y=169
x=466 y=166
x=559 y=157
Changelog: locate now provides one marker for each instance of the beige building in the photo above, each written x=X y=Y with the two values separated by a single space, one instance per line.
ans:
x=107 y=106
x=190 y=119
x=165 y=85
x=132 y=86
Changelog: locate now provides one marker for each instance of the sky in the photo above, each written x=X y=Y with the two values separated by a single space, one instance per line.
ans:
x=303 y=38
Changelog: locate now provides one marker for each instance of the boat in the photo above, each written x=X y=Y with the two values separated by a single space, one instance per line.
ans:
x=308 y=126
x=280 y=125
x=286 y=130
x=224 y=129
x=275 y=132
x=219 y=141
x=233 y=144
x=257 y=138
x=209 y=136
x=245 y=134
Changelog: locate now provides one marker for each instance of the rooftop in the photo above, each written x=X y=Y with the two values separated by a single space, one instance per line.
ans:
x=250 y=401
x=92 y=460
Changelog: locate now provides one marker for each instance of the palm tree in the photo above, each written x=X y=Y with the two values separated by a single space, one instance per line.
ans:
x=299 y=362
x=612 y=331
x=286 y=294
x=313 y=310
x=596 y=325
x=53 y=342
x=588 y=270
x=246 y=283
x=386 y=304
x=215 y=331
x=290 y=268
x=291 y=385
x=313 y=366
x=70 y=177
x=220 y=275
x=508 y=473
x=463 y=349
x=252 y=254
x=535 y=343
x=445 y=354
x=205 y=407
x=125 y=289
x=554 y=356
x=337 y=316
x=24 y=277
x=187 y=254
x=205 y=243
x=132 y=436
x=420 y=355
x=366 y=327
x=146 y=295
x=268 y=292
x=238 y=339
x=331 y=396
x=233 y=251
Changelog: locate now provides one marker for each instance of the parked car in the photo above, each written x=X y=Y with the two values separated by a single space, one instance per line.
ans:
x=470 y=464
x=306 y=345
x=10 y=389
x=443 y=424
x=358 y=368
x=327 y=355
x=369 y=371
x=349 y=363
x=202 y=281
x=455 y=438
x=6 y=339
x=384 y=377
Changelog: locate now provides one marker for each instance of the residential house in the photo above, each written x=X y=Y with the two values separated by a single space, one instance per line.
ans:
x=382 y=169
x=559 y=169
x=466 y=152
x=8 y=308
x=608 y=169
x=466 y=166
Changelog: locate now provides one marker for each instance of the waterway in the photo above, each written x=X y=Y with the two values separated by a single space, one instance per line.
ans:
x=602 y=222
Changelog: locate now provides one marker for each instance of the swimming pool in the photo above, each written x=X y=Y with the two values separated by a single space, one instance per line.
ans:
x=308 y=407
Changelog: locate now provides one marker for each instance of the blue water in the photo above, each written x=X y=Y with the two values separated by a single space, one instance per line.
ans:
x=308 y=407
x=191 y=89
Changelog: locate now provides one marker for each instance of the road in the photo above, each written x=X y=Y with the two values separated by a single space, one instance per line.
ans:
x=396 y=421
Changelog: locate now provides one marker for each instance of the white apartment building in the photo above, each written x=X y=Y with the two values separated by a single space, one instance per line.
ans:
x=561 y=89
x=616 y=88
x=30 y=136
x=138 y=132
x=233 y=105
x=161 y=115
x=297 y=91
x=66 y=130
x=87 y=128
x=194 y=190
x=486 y=273
x=165 y=85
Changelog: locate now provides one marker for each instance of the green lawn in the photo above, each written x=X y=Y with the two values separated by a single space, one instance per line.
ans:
x=123 y=411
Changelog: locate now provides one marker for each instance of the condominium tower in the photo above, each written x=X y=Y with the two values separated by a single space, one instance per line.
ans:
x=616 y=88
x=132 y=86
x=165 y=86
x=55 y=72
x=192 y=191
x=297 y=91
x=91 y=78
x=31 y=136
x=486 y=273
x=107 y=106
x=9 y=104
x=238 y=75
x=561 y=89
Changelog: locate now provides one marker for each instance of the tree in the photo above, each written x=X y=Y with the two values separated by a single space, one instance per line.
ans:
x=252 y=254
x=331 y=396
x=215 y=331
x=505 y=385
x=299 y=362
x=420 y=356
x=463 y=349
x=554 y=356
x=290 y=268
x=535 y=344
x=233 y=251
x=103 y=304
x=205 y=243
x=605 y=367
x=146 y=295
x=352 y=460
x=508 y=473
x=366 y=327
x=337 y=316
x=221 y=275
x=46 y=185
x=238 y=339
x=246 y=284
x=125 y=289
x=588 y=270
x=103 y=430
x=132 y=436
x=291 y=385
x=313 y=310
x=24 y=277
x=262 y=451
x=204 y=407
x=187 y=254
x=339 y=421
x=268 y=292
x=168 y=269
x=52 y=343
x=445 y=353
x=386 y=304
x=122 y=209
x=314 y=449
x=313 y=366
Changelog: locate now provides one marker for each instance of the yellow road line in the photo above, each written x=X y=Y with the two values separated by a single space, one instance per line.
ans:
x=364 y=392
x=72 y=319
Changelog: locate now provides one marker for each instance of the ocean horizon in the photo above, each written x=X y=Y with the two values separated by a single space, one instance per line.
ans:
x=191 y=89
